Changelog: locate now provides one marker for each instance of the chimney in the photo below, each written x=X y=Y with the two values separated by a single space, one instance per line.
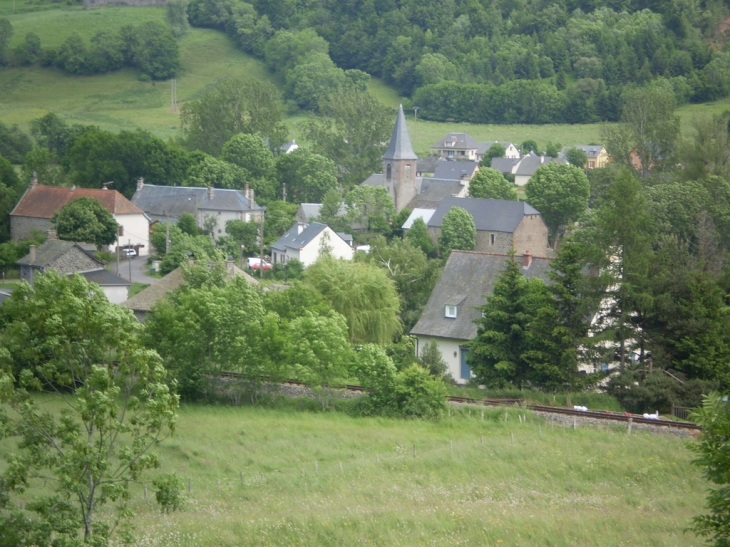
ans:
x=73 y=188
x=32 y=254
x=51 y=235
x=526 y=259
x=250 y=198
x=140 y=183
x=542 y=158
x=210 y=192
x=34 y=180
x=245 y=192
x=300 y=227
x=104 y=187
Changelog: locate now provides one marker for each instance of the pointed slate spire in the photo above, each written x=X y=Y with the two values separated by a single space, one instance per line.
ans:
x=400 y=142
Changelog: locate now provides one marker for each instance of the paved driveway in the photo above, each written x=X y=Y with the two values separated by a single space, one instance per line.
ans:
x=138 y=267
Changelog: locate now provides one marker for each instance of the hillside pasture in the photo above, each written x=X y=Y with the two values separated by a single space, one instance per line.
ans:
x=288 y=476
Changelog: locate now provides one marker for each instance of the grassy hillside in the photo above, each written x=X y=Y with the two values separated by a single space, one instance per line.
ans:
x=255 y=482
x=119 y=101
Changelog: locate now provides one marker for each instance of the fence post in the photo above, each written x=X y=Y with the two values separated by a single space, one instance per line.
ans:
x=631 y=422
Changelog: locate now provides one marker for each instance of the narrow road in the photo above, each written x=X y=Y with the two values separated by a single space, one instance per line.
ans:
x=138 y=268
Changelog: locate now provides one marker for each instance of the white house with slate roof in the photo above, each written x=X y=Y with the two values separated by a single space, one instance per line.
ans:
x=449 y=316
x=221 y=205
x=306 y=242
x=510 y=150
x=530 y=163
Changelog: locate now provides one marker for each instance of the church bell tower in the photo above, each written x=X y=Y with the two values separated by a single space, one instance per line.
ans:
x=399 y=164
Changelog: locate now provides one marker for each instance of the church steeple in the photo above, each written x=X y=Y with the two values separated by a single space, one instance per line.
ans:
x=400 y=142
x=399 y=164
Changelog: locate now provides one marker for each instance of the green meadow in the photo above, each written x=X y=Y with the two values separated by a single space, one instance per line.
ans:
x=291 y=476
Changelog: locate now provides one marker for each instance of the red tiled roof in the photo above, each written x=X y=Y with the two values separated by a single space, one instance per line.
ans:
x=42 y=201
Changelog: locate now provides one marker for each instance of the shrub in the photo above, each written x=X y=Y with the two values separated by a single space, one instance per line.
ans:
x=418 y=394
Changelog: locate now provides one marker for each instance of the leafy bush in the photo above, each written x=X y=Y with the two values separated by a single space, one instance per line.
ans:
x=168 y=494
x=418 y=394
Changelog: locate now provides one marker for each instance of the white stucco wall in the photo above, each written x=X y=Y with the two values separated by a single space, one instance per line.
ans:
x=116 y=294
x=450 y=352
x=136 y=232
x=338 y=248
x=521 y=180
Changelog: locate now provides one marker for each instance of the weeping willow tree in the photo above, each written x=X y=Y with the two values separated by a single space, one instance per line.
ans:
x=362 y=293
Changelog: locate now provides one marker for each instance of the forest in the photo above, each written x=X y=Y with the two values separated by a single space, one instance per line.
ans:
x=573 y=58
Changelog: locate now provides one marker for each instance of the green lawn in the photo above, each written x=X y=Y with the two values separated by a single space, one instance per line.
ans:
x=287 y=477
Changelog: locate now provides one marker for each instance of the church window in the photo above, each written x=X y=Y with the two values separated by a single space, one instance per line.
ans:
x=388 y=172
x=408 y=172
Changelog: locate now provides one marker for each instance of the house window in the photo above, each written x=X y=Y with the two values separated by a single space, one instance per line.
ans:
x=388 y=172
x=591 y=164
x=120 y=231
x=450 y=153
x=491 y=239
x=450 y=311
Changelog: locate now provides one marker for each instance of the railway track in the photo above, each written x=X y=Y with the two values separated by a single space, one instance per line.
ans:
x=594 y=414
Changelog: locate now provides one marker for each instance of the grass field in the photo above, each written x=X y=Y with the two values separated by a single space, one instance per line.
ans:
x=119 y=101
x=287 y=477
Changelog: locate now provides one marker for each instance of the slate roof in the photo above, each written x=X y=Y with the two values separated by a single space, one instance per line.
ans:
x=313 y=210
x=145 y=299
x=505 y=165
x=376 y=179
x=4 y=295
x=432 y=191
x=424 y=214
x=51 y=250
x=427 y=164
x=157 y=201
x=466 y=278
x=532 y=162
x=490 y=215
x=461 y=141
x=400 y=147
x=455 y=170
x=42 y=201
x=104 y=278
x=591 y=150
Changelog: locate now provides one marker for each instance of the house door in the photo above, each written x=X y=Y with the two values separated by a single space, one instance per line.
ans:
x=465 y=370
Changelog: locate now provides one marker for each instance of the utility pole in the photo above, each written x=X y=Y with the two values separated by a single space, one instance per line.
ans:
x=167 y=233
x=129 y=258
x=173 y=95
x=261 y=245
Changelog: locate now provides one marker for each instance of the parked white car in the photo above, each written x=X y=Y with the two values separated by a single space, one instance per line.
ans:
x=129 y=253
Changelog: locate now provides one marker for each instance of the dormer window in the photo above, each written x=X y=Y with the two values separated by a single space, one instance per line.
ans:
x=450 y=311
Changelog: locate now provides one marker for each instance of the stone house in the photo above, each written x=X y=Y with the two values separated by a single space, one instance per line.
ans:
x=448 y=318
x=501 y=225
x=39 y=203
x=216 y=205
x=67 y=257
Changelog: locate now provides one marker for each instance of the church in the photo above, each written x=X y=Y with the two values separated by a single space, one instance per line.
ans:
x=399 y=176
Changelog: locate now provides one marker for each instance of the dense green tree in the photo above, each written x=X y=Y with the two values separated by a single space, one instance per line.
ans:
x=712 y=457
x=497 y=150
x=457 y=231
x=499 y=354
x=39 y=162
x=410 y=269
x=233 y=107
x=251 y=153
x=105 y=54
x=576 y=157
x=9 y=188
x=490 y=183
x=371 y=207
x=529 y=146
x=176 y=12
x=73 y=55
x=244 y=233
x=308 y=177
x=187 y=224
x=215 y=173
x=332 y=212
x=418 y=236
x=6 y=33
x=560 y=192
x=117 y=408
x=648 y=130
x=14 y=144
x=51 y=133
x=352 y=131
x=432 y=360
x=319 y=351
x=705 y=154
x=200 y=331
x=155 y=51
x=29 y=51
x=553 y=149
x=85 y=220
x=279 y=217
x=362 y=293
x=184 y=247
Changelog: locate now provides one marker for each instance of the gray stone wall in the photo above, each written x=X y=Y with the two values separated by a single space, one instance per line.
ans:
x=75 y=260
x=22 y=227
x=402 y=183
x=532 y=235
x=502 y=242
